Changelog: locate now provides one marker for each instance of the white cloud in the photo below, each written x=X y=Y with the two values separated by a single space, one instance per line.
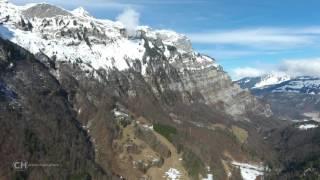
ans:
x=265 y=38
x=130 y=19
x=239 y=73
x=291 y=67
x=299 y=67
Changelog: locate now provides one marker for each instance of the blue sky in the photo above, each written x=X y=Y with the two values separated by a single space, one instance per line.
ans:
x=247 y=37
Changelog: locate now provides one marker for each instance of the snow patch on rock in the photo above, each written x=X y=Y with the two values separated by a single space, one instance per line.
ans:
x=81 y=12
x=172 y=174
x=249 y=171
x=307 y=126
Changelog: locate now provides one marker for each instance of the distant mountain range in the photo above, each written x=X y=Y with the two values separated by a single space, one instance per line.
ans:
x=281 y=83
x=292 y=98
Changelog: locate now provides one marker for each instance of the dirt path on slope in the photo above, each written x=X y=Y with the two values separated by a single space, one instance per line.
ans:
x=174 y=161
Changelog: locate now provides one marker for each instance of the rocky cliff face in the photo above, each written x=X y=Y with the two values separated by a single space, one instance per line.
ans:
x=152 y=76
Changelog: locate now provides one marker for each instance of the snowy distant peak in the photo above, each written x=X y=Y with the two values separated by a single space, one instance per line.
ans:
x=81 y=12
x=303 y=84
x=272 y=79
x=282 y=83
x=263 y=81
x=45 y=11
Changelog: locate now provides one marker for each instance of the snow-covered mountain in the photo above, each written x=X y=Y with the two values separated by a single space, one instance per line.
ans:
x=75 y=36
x=95 y=45
x=281 y=82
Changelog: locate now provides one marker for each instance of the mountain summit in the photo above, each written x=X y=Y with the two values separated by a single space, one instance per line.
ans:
x=80 y=12
x=44 y=11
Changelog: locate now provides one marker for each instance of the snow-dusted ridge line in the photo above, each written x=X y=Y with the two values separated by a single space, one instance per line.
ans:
x=310 y=85
x=96 y=43
x=278 y=82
